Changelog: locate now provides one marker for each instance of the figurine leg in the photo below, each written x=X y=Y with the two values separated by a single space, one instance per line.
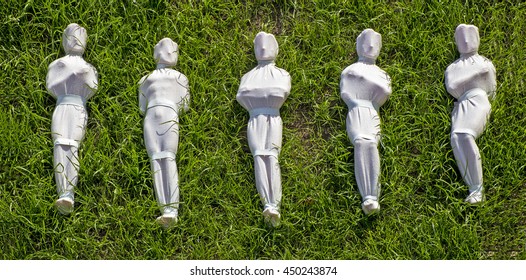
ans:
x=268 y=184
x=264 y=139
x=469 y=164
x=261 y=176
x=367 y=172
x=166 y=184
x=66 y=162
x=271 y=210
x=161 y=137
x=67 y=127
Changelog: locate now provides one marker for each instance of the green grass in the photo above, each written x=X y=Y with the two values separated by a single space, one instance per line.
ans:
x=423 y=215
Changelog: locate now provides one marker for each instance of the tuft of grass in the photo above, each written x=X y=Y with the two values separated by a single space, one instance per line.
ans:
x=422 y=217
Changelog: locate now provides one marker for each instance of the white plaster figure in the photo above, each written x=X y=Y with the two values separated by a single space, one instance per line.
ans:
x=163 y=95
x=471 y=79
x=72 y=81
x=365 y=87
x=262 y=92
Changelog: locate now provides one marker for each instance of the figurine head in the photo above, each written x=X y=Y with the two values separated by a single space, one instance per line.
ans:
x=74 y=39
x=166 y=52
x=467 y=38
x=368 y=44
x=265 y=47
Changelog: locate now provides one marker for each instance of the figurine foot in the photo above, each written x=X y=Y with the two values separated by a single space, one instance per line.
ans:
x=65 y=205
x=272 y=216
x=476 y=197
x=168 y=219
x=370 y=207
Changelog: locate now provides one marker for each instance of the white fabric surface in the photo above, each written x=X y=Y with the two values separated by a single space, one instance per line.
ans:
x=471 y=80
x=163 y=94
x=72 y=81
x=262 y=92
x=365 y=87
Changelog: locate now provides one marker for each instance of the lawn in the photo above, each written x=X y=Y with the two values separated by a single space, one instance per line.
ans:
x=423 y=215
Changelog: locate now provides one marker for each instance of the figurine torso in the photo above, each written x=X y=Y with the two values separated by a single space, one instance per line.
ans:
x=365 y=82
x=469 y=73
x=71 y=75
x=165 y=86
x=264 y=86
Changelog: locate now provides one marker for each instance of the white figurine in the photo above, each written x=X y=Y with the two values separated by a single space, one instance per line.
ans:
x=163 y=94
x=471 y=80
x=364 y=88
x=262 y=91
x=72 y=81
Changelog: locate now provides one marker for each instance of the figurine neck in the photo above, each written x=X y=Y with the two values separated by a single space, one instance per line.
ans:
x=265 y=62
x=74 y=54
x=163 y=66
x=367 y=60
x=468 y=55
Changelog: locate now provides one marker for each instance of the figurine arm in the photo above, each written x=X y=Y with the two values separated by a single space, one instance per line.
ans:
x=239 y=95
x=96 y=81
x=450 y=86
x=288 y=84
x=186 y=101
x=466 y=82
x=371 y=85
x=492 y=81
x=93 y=83
x=143 y=102
x=48 y=79
x=346 y=73
x=352 y=75
x=385 y=88
x=183 y=81
x=345 y=90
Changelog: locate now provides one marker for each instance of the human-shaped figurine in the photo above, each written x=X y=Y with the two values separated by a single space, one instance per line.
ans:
x=72 y=81
x=163 y=95
x=262 y=92
x=365 y=87
x=471 y=79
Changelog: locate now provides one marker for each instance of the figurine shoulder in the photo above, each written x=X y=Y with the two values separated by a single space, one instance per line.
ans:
x=250 y=73
x=143 y=79
x=142 y=84
x=361 y=69
x=58 y=63
x=383 y=74
x=259 y=77
x=93 y=80
x=287 y=80
x=283 y=72
x=349 y=69
x=455 y=64
x=364 y=70
x=54 y=64
x=245 y=77
x=488 y=63
x=93 y=69
x=181 y=78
